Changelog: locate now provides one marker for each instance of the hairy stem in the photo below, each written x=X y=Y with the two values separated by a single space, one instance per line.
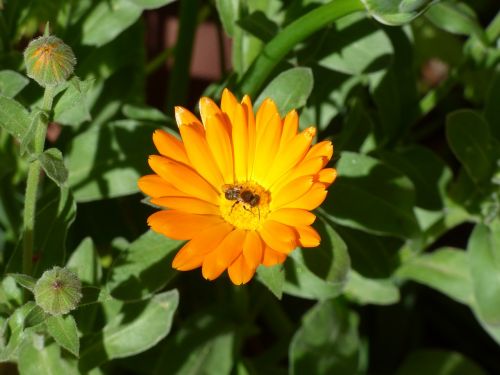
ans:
x=33 y=182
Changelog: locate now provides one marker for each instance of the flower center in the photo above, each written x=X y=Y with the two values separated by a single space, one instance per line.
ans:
x=244 y=205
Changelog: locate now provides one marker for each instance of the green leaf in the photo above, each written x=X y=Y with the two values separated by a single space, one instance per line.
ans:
x=259 y=25
x=273 y=278
x=372 y=256
x=53 y=165
x=446 y=270
x=396 y=12
x=144 y=268
x=105 y=161
x=10 y=291
x=107 y=20
x=151 y=4
x=318 y=273
x=428 y=173
x=65 y=332
x=204 y=345
x=138 y=327
x=25 y=281
x=13 y=334
x=85 y=263
x=394 y=90
x=13 y=117
x=484 y=258
x=456 y=18
x=357 y=126
x=367 y=188
x=370 y=291
x=366 y=51
x=289 y=89
x=438 y=362
x=327 y=342
x=276 y=50
x=228 y=13
x=471 y=142
x=11 y=83
x=35 y=317
x=72 y=108
x=145 y=113
x=37 y=359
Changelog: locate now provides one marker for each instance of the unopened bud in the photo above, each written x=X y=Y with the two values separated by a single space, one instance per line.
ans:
x=49 y=61
x=58 y=291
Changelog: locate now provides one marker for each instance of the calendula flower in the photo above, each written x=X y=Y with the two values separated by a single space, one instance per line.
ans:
x=239 y=187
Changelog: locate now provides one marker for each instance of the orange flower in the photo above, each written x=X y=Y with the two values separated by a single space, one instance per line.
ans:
x=239 y=187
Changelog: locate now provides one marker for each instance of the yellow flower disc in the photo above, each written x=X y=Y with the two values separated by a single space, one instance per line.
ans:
x=238 y=186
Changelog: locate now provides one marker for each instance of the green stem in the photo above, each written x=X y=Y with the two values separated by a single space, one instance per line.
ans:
x=274 y=51
x=158 y=60
x=33 y=182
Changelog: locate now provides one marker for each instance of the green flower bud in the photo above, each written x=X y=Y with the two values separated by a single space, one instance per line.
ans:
x=58 y=291
x=49 y=61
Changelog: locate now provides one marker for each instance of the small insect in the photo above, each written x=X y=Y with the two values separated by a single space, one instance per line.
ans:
x=239 y=195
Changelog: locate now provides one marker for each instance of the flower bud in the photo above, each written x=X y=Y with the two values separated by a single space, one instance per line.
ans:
x=58 y=291
x=49 y=61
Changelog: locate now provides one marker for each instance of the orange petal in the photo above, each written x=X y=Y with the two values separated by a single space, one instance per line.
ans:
x=291 y=192
x=221 y=258
x=181 y=225
x=290 y=127
x=192 y=253
x=170 y=146
x=266 y=146
x=266 y=112
x=310 y=200
x=324 y=149
x=155 y=186
x=292 y=216
x=278 y=236
x=183 y=178
x=308 y=237
x=228 y=104
x=200 y=156
x=272 y=257
x=327 y=176
x=240 y=272
x=290 y=154
x=220 y=147
x=304 y=168
x=208 y=108
x=252 y=249
x=185 y=117
x=251 y=133
x=187 y=204
x=240 y=143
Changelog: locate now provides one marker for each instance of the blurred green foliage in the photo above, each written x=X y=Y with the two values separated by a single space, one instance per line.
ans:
x=406 y=280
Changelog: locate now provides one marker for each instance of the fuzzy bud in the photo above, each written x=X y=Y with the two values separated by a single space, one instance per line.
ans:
x=58 y=291
x=49 y=61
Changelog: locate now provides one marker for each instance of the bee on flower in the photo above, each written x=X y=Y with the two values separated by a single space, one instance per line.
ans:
x=238 y=186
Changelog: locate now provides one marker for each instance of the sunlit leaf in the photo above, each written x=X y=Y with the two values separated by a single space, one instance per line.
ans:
x=144 y=268
x=65 y=332
x=11 y=83
x=446 y=270
x=123 y=337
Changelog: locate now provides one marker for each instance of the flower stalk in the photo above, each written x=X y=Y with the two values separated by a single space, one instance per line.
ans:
x=33 y=182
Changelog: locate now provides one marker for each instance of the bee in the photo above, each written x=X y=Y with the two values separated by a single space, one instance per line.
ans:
x=239 y=195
